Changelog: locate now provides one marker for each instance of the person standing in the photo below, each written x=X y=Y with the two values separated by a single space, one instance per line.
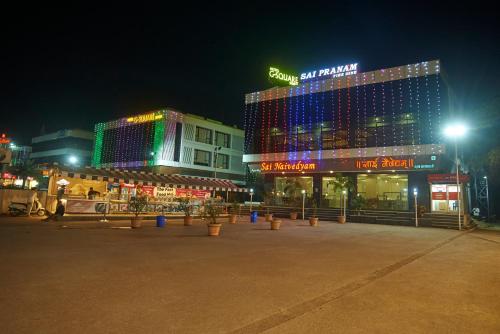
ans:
x=60 y=192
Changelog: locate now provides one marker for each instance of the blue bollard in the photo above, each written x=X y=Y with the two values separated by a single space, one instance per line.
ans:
x=253 y=217
x=160 y=221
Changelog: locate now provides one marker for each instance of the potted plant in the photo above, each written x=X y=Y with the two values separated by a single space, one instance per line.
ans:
x=137 y=205
x=313 y=220
x=267 y=202
x=185 y=205
x=344 y=184
x=358 y=203
x=211 y=211
x=275 y=224
x=235 y=209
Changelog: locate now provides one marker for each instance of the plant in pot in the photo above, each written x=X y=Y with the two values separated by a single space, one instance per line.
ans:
x=289 y=191
x=235 y=210
x=137 y=205
x=267 y=202
x=211 y=211
x=358 y=203
x=313 y=220
x=344 y=185
x=186 y=206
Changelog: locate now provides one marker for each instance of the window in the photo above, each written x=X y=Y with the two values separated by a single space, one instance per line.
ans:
x=331 y=197
x=384 y=191
x=222 y=139
x=203 y=135
x=222 y=161
x=202 y=158
x=289 y=189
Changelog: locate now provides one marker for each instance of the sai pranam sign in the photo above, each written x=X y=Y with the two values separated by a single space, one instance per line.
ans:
x=331 y=72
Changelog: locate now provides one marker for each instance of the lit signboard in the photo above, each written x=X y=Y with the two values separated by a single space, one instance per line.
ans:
x=275 y=74
x=386 y=162
x=145 y=118
x=331 y=72
x=298 y=166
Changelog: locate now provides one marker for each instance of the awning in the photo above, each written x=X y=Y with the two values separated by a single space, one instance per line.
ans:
x=116 y=175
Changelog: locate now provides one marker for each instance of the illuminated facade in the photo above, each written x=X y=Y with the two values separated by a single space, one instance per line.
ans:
x=170 y=142
x=381 y=128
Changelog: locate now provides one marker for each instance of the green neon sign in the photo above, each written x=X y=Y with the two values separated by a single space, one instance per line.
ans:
x=275 y=74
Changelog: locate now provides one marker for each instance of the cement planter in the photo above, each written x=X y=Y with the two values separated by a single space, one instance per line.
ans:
x=313 y=221
x=269 y=217
x=275 y=224
x=293 y=215
x=341 y=219
x=232 y=219
x=188 y=220
x=136 y=222
x=214 y=229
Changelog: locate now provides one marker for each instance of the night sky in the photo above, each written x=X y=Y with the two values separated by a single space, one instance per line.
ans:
x=72 y=67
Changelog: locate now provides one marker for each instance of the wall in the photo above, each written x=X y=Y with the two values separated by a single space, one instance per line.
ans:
x=17 y=195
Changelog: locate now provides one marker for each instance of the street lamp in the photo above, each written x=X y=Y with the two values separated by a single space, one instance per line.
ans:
x=303 y=203
x=251 y=199
x=344 y=193
x=415 y=194
x=72 y=159
x=455 y=132
x=216 y=150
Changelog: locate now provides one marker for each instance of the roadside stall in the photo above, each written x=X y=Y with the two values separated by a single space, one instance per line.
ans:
x=115 y=187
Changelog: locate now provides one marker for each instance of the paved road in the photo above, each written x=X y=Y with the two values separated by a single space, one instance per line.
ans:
x=353 y=278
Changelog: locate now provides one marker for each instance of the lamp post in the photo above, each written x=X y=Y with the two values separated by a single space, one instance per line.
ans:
x=251 y=199
x=415 y=194
x=216 y=150
x=303 y=203
x=487 y=197
x=455 y=132
x=344 y=193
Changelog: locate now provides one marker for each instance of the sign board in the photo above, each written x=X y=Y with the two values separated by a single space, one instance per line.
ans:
x=387 y=163
x=145 y=118
x=447 y=178
x=85 y=206
x=276 y=74
x=330 y=72
x=165 y=192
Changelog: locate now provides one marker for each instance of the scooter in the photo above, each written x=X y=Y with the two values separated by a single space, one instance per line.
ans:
x=19 y=209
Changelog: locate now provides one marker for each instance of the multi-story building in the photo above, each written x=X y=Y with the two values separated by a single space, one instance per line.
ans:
x=169 y=142
x=72 y=146
x=381 y=129
x=20 y=154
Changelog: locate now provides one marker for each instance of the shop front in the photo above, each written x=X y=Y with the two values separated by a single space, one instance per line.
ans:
x=378 y=183
x=444 y=194
x=94 y=190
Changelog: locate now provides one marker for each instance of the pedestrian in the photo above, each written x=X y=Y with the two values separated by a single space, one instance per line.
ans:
x=60 y=192
x=57 y=214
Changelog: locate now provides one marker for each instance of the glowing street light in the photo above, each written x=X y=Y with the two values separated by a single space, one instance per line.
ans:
x=73 y=160
x=455 y=132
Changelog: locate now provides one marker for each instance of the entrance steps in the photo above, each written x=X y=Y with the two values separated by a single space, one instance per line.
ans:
x=402 y=218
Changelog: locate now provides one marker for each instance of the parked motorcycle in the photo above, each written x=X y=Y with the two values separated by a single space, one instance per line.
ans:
x=21 y=209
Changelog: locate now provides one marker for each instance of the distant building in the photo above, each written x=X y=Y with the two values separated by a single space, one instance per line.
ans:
x=169 y=142
x=20 y=154
x=71 y=146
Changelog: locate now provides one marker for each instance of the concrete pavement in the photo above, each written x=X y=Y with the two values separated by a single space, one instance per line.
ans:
x=84 y=277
